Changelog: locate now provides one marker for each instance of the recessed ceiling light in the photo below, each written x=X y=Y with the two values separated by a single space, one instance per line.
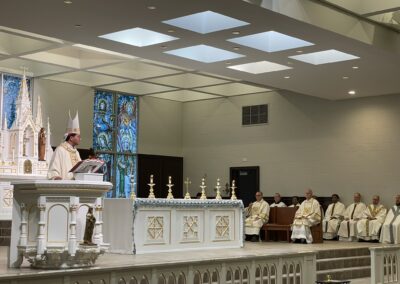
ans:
x=151 y=7
x=324 y=57
x=270 y=41
x=138 y=37
x=67 y=2
x=259 y=67
x=287 y=77
x=236 y=48
x=299 y=51
x=351 y=92
x=227 y=63
x=355 y=67
x=78 y=26
x=236 y=33
x=205 y=22
x=204 y=53
x=164 y=46
x=171 y=31
x=345 y=77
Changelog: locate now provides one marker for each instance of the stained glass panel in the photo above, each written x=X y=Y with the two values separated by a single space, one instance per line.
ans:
x=108 y=168
x=126 y=175
x=11 y=85
x=103 y=102
x=126 y=124
x=103 y=121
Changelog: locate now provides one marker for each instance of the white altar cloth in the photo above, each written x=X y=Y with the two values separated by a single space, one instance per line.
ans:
x=159 y=225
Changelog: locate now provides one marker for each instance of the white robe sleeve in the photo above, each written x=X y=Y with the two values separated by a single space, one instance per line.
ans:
x=55 y=167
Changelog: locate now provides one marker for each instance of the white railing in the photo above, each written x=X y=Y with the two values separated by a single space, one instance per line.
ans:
x=299 y=268
x=385 y=264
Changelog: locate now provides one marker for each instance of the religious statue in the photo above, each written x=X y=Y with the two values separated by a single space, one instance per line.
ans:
x=42 y=144
x=89 y=227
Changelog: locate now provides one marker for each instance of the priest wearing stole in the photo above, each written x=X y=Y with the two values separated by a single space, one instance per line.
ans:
x=348 y=228
x=333 y=217
x=257 y=215
x=308 y=215
x=391 y=227
x=368 y=228
x=66 y=156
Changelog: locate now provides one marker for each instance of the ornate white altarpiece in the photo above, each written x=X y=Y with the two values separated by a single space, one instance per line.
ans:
x=157 y=225
x=49 y=219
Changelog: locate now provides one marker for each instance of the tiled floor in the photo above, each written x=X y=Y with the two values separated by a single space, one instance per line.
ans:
x=250 y=249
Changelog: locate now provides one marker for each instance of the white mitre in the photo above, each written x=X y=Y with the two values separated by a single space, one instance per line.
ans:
x=73 y=125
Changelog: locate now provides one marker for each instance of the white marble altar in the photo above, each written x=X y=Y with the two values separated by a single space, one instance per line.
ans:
x=157 y=225
x=49 y=221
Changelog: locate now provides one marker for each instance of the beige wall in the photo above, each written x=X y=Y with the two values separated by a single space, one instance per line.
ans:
x=160 y=121
x=330 y=146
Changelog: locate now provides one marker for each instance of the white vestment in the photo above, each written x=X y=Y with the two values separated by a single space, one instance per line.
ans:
x=348 y=228
x=391 y=227
x=257 y=216
x=333 y=217
x=369 y=227
x=280 y=204
x=63 y=160
x=297 y=205
x=308 y=215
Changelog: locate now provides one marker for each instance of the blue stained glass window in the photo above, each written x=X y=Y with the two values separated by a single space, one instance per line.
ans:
x=126 y=142
x=11 y=86
x=114 y=139
x=126 y=175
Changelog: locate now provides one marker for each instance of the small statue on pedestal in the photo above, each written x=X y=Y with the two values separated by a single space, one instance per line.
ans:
x=42 y=144
x=89 y=227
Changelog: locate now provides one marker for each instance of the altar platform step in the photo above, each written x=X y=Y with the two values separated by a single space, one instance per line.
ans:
x=344 y=264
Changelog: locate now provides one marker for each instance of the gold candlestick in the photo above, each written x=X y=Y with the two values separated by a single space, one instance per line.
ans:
x=170 y=185
x=233 y=187
x=187 y=182
x=203 y=189
x=151 y=184
x=218 y=187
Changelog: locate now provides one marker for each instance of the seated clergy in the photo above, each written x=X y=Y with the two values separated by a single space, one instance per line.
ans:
x=333 y=217
x=348 y=227
x=295 y=202
x=369 y=226
x=277 y=201
x=391 y=227
x=257 y=215
x=308 y=215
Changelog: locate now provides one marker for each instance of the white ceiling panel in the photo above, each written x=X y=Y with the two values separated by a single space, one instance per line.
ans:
x=84 y=78
x=137 y=88
x=11 y=44
x=188 y=81
x=184 y=96
x=135 y=70
x=34 y=68
x=75 y=57
x=233 y=89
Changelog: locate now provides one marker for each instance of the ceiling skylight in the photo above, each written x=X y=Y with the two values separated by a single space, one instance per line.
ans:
x=259 y=67
x=323 y=57
x=204 y=53
x=138 y=37
x=270 y=41
x=205 y=22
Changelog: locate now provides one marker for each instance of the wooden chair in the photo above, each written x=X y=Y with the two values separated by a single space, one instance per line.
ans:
x=281 y=219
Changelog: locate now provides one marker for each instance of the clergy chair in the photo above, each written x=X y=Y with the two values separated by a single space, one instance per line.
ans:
x=317 y=232
x=280 y=222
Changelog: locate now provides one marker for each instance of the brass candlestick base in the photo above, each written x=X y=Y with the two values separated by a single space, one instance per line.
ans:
x=151 y=184
x=218 y=187
x=233 y=194
x=203 y=189
x=170 y=185
x=187 y=182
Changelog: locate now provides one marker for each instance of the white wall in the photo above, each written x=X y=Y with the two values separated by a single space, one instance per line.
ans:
x=331 y=146
x=160 y=121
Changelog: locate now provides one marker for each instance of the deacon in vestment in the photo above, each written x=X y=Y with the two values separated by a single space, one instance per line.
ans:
x=333 y=217
x=369 y=227
x=257 y=215
x=295 y=202
x=277 y=201
x=66 y=156
x=308 y=215
x=348 y=228
x=391 y=227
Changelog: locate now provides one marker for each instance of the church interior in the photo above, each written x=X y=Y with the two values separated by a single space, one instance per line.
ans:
x=205 y=142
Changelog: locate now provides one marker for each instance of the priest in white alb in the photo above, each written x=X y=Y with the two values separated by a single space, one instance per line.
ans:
x=369 y=227
x=348 y=228
x=391 y=227
x=277 y=201
x=333 y=217
x=308 y=215
x=257 y=215
x=66 y=156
